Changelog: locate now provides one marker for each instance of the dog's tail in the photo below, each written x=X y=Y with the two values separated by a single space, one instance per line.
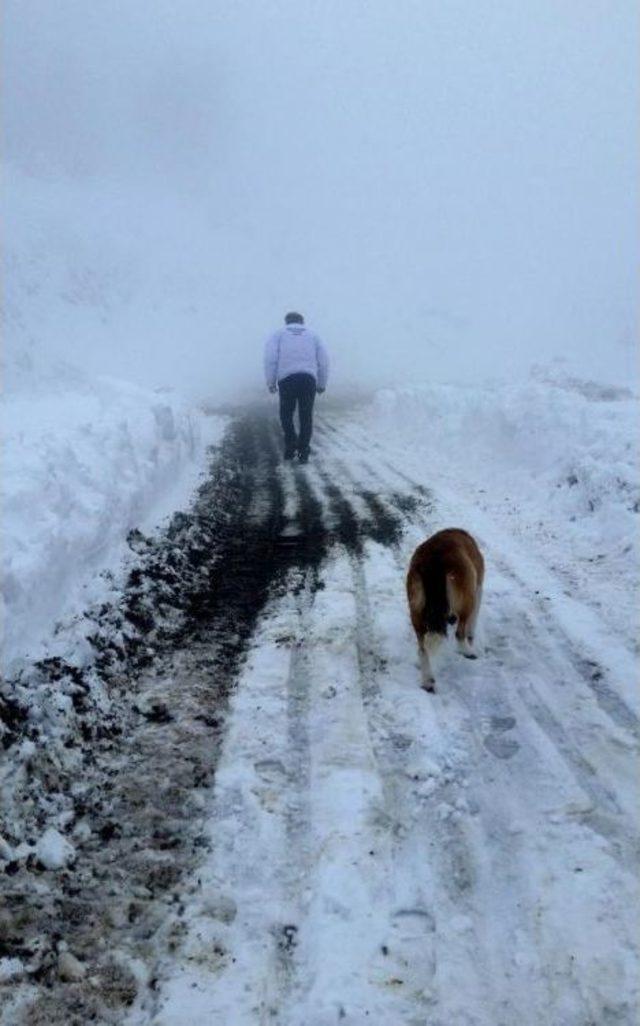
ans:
x=429 y=598
x=437 y=600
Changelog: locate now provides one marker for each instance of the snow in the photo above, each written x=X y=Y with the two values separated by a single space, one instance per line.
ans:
x=224 y=797
x=10 y=968
x=368 y=853
x=378 y=855
x=553 y=461
x=86 y=460
x=69 y=968
x=53 y=850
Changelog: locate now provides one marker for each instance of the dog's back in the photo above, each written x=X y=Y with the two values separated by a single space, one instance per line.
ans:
x=444 y=585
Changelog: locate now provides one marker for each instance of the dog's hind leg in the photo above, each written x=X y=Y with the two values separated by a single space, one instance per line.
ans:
x=464 y=629
x=473 y=619
x=427 y=646
x=464 y=645
x=462 y=590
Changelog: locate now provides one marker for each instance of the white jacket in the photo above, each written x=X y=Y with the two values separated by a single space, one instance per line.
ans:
x=295 y=350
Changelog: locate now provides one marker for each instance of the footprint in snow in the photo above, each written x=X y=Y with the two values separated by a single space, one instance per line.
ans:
x=271 y=770
x=409 y=957
x=498 y=741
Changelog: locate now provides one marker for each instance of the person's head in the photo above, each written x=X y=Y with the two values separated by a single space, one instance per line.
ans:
x=294 y=318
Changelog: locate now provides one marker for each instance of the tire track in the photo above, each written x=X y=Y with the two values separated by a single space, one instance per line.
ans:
x=589 y=671
x=297 y=810
x=407 y=821
x=418 y=826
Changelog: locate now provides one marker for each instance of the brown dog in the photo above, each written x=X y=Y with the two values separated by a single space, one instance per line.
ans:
x=444 y=586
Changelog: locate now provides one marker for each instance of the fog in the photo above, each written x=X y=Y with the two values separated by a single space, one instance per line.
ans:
x=445 y=190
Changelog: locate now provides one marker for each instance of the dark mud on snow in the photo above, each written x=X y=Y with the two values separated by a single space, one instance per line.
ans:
x=115 y=751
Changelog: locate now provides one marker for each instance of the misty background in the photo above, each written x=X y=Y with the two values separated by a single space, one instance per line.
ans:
x=447 y=191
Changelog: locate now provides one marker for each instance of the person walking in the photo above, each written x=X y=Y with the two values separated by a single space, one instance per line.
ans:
x=296 y=365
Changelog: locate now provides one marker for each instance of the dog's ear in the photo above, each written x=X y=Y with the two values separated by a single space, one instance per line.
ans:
x=415 y=592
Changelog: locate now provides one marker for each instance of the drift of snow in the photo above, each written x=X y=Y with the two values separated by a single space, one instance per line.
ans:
x=553 y=461
x=85 y=462
x=87 y=456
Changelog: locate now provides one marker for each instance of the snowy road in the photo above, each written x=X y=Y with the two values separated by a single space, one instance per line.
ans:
x=367 y=853
x=379 y=855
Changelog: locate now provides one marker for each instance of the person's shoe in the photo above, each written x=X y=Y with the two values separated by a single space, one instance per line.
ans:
x=303 y=457
x=289 y=456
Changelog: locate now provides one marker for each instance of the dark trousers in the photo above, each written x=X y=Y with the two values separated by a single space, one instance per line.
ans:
x=297 y=390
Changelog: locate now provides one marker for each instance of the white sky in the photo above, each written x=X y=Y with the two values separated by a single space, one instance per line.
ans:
x=443 y=188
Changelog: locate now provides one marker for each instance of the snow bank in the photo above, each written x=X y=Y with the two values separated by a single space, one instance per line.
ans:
x=553 y=461
x=84 y=462
x=576 y=445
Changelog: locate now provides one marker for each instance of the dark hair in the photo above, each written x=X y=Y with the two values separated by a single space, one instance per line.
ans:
x=294 y=318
